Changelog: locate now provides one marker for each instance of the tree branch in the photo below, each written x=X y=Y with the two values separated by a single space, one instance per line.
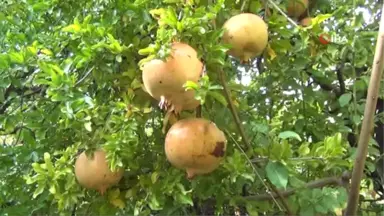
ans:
x=198 y=111
x=340 y=78
x=245 y=3
x=340 y=181
x=282 y=13
x=227 y=95
x=10 y=89
x=74 y=210
x=368 y=123
x=324 y=86
x=244 y=137
x=85 y=76
x=265 y=159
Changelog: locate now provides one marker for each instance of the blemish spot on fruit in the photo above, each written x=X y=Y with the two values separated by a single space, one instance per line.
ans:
x=189 y=56
x=219 y=150
x=160 y=81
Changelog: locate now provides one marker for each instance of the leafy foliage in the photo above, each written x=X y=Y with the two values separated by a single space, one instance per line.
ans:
x=70 y=81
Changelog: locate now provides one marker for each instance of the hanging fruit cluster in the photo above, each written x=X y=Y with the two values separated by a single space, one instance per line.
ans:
x=195 y=145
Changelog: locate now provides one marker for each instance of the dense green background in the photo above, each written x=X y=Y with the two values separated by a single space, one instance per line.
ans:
x=70 y=80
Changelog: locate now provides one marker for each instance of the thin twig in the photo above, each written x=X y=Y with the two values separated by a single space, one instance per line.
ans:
x=22 y=120
x=341 y=181
x=282 y=13
x=198 y=111
x=74 y=210
x=8 y=102
x=373 y=200
x=254 y=169
x=245 y=2
x=370 y=107
x=233 y=110
x=85 y=76
x=265 y=159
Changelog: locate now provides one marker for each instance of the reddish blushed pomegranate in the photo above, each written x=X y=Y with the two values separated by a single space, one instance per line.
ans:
x=247 y=34
x=306 y=21
x=94 y=173
x=195 y=145
x=164 y=80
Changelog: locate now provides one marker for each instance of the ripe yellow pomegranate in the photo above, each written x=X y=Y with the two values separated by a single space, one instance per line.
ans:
x=195 y=145
x=306 y=21
x=164 y=80
x=295 y=8
x=248 y=35
x=94 y=173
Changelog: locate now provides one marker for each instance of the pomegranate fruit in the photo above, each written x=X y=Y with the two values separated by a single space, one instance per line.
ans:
x=94 y=173
x=306 y=21
x=295 y=8
x=195 y=145
x=247 y=34
x=164 y=80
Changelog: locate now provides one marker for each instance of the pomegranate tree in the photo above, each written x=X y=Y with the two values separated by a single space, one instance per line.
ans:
x=92 y=171
x=195 y=145
x=247 y=34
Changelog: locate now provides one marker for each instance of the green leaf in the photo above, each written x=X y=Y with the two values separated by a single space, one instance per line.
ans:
x=38 y=191
x=48 y=163
x=52 y=189
x=344 y=99
x=154 y=203
x=190 y=85
x=289 y=134
x=320 y=18
x=184 y=199
x=277 y=173
x=154 y=177
x=37 y=168
x=73 y=28
x=219 y=97
x=28 y=137
x=119 y=58
x=16 y=57
x=304 y=149
x=88 y=126
x=252 y=209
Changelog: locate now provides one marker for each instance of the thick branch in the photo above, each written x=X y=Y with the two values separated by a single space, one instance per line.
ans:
x=340 y=181
x=368 y=123
x=324 y=86
x=340 y=78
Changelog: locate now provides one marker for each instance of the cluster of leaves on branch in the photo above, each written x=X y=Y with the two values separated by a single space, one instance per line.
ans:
x=70 y=81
